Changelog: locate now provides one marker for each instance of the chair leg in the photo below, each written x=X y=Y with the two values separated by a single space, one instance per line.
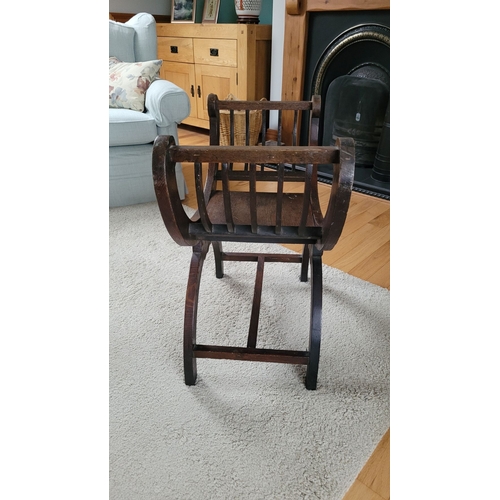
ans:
x=305 y=263
x=315 y=325
x=219 y=264
x=191 y=310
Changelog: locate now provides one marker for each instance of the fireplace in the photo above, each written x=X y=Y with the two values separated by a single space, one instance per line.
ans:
x=344 y=57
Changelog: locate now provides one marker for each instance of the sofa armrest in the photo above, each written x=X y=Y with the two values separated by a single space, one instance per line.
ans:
x=167 y=103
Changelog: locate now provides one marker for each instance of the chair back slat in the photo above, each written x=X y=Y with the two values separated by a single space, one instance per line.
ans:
x=253 y=196
x=279 y=197
x=247 y=127
x=314 y=120
x=227 y=198
x=200 y=197
x=263 y=131
x=231 y=127
x=280 y=121
x=307 y=198
x=294 y=130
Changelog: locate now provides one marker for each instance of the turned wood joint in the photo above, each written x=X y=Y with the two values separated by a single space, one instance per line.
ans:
x=294 y=7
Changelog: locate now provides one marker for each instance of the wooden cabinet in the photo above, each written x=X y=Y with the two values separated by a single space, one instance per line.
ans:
x=215 y=58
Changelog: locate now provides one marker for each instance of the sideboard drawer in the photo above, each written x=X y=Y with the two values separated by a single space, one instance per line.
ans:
x=216 y=52
x=175 y=49
x=220 y=59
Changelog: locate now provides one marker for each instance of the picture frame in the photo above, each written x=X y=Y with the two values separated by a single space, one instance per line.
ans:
x=183 y=11
x=210 y=11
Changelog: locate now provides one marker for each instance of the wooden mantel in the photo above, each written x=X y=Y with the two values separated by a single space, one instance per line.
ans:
x=295 y=43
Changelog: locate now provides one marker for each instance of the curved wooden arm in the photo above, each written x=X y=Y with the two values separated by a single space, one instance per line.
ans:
x=340 y=195
x=167 y=193
x=313 y=141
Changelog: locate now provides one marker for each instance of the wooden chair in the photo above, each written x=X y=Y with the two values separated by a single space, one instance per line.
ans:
x=294 y=109
x=254 y=216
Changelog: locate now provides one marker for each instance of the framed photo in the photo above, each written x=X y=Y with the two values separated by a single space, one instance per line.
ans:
x=183 y=11
x=210 y=11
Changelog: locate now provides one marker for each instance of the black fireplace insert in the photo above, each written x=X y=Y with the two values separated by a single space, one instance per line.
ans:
x=348 y=65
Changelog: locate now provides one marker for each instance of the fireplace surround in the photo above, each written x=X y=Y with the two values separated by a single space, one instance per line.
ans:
x=343 y=44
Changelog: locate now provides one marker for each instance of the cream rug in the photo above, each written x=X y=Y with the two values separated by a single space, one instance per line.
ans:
x=246 y=430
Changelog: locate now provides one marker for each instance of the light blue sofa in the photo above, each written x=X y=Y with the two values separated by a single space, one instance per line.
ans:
x=131 y=133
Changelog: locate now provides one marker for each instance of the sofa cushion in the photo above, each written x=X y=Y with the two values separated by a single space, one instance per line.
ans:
x=145 y=41
x=121 y=41
x=127 y=127
x=128 y=82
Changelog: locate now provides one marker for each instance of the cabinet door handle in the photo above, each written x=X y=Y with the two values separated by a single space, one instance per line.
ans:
x=192 y=90
x=174 y=49
x=199 y=91
x=214 y=52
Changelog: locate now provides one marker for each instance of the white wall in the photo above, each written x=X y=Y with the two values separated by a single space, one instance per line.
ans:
x=277 y=56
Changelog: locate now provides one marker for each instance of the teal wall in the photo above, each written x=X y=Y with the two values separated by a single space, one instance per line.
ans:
x=227 y=14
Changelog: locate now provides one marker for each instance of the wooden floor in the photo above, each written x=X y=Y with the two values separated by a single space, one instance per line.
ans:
x=362 y=251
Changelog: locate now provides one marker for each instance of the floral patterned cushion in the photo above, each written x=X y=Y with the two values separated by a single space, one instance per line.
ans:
x=128 y=82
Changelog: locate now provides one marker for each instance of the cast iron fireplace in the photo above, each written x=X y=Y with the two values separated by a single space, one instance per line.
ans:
x=348 y=64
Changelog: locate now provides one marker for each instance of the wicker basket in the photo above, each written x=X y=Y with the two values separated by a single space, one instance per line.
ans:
x=255 y=124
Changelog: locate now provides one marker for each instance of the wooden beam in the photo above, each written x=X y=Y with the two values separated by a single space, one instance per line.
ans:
x=294 y=51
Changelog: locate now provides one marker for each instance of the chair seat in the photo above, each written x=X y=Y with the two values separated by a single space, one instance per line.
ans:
x=266 y=209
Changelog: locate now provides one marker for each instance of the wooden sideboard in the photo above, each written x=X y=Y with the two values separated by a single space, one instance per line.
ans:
x=215 y=58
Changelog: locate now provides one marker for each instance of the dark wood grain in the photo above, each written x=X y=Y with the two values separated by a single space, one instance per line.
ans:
x=252 y=354
x=315 y=319
x=255 y=154
x=292 y=109
x=257 y=296
x=191 y=310
x=289 y=214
